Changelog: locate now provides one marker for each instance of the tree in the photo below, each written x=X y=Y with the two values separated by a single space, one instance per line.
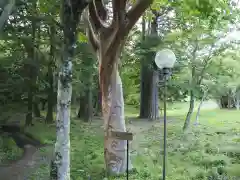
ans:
x=200 y=33
x=60 y=166
x=107 y=42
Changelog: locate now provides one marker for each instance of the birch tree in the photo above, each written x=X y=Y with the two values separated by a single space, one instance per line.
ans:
x=107 y=40
x=60 y=166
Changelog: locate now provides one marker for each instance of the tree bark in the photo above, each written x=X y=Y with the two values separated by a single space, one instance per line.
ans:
x=145 y=92
x=32 y=72
x=190 y=111
x=154 y=108
x=144 y=82
x=199 y=108
x=81 y=107
x=108 y=41
x=88 y=110
x=113 y=113
x=36 y=109
x=237 y=100
x=29 y=107
x=60 y=166
x=229 y=100
x=51 y=94
x=154 y=111
x=98 y=102
x=86 y=106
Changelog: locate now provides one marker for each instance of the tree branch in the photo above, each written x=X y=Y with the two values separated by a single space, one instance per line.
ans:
x=125 y=21
x=207 y=61
x=92 y=36
x=135 y=12
x=119 y=11
x=98 y=14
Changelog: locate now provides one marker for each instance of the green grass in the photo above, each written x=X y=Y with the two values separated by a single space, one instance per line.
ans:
x=8 y=150
x=210 y=151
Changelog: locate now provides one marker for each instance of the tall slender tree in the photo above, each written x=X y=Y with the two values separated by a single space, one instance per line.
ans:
x=71 y=12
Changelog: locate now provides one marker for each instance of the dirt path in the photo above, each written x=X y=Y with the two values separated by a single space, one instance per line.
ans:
x=31 y=160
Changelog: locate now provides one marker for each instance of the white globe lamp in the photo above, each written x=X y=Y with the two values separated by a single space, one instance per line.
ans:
x=165 y=58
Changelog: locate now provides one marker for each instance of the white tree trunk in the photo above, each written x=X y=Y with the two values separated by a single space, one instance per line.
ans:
x=113 y=112
x=199 y=108
x=237 y=101
x=62 y=146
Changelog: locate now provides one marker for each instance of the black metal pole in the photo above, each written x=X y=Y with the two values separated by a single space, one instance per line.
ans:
x=127 y=158
x=165 y=74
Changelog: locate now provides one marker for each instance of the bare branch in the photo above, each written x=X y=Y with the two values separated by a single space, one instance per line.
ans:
x=126 y=21
x=92 y=39
x=92 y=32
x=207 y=61
x=135 y=12
x=98 y=14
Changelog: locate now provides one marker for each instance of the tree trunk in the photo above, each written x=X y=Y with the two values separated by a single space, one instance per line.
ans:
x=81 y=107
x=190 y=111
x=237 y=100
x=145 y=92
x=108 y=43
x=154 y=111
x=88 y=110
x=97 y=103
x=60 y=166
x=144 y=84
x=36 y=109
x=50 y=100
x=86 y=106
x=32 y=72
x=51 y=94
x=199 y=108
x=229 y=100
x=29 y=107
x=113 y=114
x=43 y=101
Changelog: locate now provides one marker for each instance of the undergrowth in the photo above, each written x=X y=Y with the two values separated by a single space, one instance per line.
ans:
x=209 y=151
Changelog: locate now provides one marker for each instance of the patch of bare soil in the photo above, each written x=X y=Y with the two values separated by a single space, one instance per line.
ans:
x=32 y=159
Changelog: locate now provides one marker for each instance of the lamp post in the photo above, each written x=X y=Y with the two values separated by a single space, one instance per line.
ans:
x=165 y=60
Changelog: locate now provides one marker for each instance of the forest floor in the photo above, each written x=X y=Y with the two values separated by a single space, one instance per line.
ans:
x=209 y=151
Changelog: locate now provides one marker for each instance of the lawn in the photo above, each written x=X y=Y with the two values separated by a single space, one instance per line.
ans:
x=209 y=151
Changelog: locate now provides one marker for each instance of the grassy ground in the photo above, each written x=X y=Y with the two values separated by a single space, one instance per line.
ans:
x=210 y=151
